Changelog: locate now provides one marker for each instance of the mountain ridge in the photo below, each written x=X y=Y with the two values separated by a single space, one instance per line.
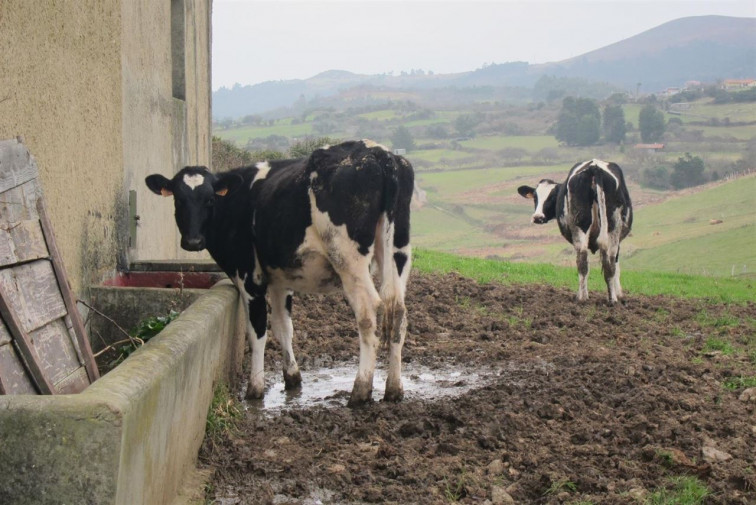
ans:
x=699 y=48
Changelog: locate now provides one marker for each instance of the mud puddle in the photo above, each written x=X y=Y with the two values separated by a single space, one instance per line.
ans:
x=331 y=386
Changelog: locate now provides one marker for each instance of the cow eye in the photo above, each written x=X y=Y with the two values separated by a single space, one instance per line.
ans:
x=210 y=202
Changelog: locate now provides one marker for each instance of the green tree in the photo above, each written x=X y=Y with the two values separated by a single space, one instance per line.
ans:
x=655 y=177
x=579 y=122
x=465 y=124
x=402 y=139
x=687 y=172
x=615 y=127
x=651 y=123
x=227 y=156
x=307 y=145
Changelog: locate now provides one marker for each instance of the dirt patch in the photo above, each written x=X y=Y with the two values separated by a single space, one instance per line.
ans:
x=590 y=403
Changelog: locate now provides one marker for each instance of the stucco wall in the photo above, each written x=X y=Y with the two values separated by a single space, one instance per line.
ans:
x=88 y=84
x=60 y=90
x=170 y=133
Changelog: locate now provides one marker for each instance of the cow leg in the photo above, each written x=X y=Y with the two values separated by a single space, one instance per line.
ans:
x=364 y=300
x=582 y=268
x=395 y=262
x=283 y=330
x=610 y=265
x=257 y=325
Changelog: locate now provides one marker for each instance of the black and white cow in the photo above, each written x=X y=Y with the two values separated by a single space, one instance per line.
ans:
x=593 y=210
x=307 y=225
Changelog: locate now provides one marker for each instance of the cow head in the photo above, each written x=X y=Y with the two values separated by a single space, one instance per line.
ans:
x=544 y=198
x=194 y=191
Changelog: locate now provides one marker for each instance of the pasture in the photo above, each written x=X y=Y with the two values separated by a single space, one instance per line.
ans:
x=515 y=392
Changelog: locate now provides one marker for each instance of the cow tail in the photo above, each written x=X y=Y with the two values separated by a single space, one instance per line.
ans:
x=395 y=254
x=603 y=237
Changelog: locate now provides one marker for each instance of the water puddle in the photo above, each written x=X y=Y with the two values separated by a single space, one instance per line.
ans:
x=330 y=387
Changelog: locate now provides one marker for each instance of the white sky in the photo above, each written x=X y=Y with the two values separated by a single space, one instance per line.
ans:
x=268 y=40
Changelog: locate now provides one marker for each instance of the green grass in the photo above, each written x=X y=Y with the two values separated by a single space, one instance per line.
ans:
x=646 y=283
x=716 y=344
x=223 y=415
x=682 y=491
x=531 y=143
x=742 y=382
x=676 y=235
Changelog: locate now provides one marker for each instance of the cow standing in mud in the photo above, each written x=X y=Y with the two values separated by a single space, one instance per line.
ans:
x=593 y=210
x=308 y=225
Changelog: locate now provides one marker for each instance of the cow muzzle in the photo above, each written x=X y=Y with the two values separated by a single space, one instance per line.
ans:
x=193 y=244
x=538 y=219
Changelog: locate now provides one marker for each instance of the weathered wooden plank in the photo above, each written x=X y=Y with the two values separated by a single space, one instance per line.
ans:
x=5 y=337
x=65 y=290
x=32 y=293
x=17 y=165
x=20 y=203
x=54 y=346
x=21 y=242
x=76 y=382
x=13 y=375
x=23 y=345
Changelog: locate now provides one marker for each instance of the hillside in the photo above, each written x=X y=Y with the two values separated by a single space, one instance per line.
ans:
x=704 y=48
x=470 y=205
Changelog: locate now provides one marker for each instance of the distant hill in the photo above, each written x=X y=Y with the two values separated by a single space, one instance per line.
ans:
x=704 y=48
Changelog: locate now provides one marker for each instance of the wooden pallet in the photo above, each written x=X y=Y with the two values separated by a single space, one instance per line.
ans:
x=44 y=348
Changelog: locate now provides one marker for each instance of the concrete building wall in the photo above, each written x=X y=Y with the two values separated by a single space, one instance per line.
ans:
x=90 y=86
x=166 y=125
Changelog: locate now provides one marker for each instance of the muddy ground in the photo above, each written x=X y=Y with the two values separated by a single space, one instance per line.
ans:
x=582 y=403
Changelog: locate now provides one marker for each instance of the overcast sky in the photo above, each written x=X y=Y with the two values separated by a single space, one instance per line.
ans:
x=268 y=40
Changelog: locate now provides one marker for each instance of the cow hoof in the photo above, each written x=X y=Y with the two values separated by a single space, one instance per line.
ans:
x=292 y=381
x=393 y=395
x=254 y=393
x=361 y=394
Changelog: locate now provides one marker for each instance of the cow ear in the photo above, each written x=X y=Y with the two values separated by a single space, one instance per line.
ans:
x=159 y=184
x=526 y=192
x=227 y=183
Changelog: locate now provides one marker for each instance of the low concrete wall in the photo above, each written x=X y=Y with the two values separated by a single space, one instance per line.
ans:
x=132 y=436
x=126 y=307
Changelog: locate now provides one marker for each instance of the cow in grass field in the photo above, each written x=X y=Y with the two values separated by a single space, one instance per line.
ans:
x=308 y=225
x=593 y=210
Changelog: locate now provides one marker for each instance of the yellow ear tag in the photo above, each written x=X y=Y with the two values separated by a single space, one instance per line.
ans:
x=222 y=192
x=165 y=192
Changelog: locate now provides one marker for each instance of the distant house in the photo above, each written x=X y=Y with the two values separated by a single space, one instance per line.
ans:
x=650 y=147
x=671 y=91
x=736 y=84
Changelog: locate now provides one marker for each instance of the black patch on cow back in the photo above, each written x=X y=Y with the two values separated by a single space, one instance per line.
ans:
x=349 y=187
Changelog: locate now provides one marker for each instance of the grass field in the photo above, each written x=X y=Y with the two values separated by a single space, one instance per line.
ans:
x=531 y=143
x=734 y=290
x=473 y=208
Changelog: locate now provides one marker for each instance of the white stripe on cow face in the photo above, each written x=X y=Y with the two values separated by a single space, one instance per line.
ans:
x=542 y=192
x=194 y=181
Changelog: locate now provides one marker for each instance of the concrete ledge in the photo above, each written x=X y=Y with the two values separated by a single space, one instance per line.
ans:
x=132 y=436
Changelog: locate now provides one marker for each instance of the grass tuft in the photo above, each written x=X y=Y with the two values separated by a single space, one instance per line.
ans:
x=682 y=491
x=223 y=415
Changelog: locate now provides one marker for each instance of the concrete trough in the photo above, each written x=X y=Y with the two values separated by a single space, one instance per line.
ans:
x=133 y=436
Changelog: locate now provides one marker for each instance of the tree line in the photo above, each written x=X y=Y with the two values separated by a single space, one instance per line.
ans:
x=581 y=123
